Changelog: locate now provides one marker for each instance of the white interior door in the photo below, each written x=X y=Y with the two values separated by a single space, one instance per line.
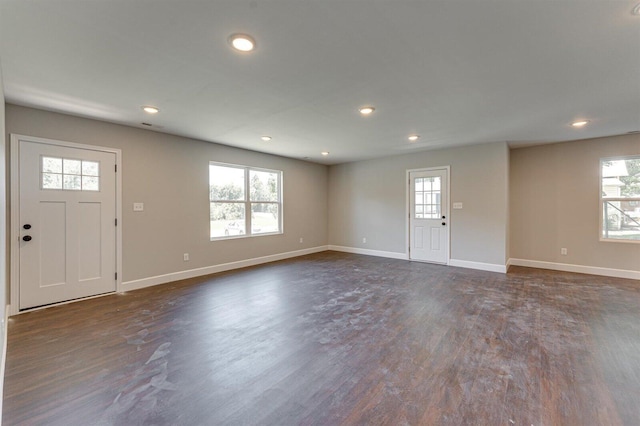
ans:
x=429 y=216
x=67 y=219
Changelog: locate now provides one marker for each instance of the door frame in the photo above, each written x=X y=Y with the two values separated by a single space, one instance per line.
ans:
x=407 y=204
x=14 y=307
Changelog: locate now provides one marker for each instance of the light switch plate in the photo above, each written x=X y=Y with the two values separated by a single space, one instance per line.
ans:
x=457 y=205
x=138 y=207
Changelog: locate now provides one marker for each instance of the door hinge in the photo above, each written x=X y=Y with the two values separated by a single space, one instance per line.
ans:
x=116 y=168
x=116 y=276
x=116 y=221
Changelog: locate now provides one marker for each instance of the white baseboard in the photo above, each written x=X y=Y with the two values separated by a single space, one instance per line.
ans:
x=207 y=270
x=355 y=250
x=581 y=269
x=491 y=267
x=404 y=256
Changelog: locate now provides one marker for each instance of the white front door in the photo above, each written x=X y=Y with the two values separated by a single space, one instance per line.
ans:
x=429 y=216
x=67 y=220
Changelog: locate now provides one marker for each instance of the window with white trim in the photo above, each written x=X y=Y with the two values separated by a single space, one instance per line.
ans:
x=244 y=201
x=620 y=199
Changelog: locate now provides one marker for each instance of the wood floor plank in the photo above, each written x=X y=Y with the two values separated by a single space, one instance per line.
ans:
x=335 y=338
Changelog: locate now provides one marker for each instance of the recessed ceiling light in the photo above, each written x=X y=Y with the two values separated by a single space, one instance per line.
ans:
x=150 y=109
x=265 y=138
x=325 y=153
x=580 y=123
x=242 y=42
x=414 y=138
x=636 y=10
x=366 y=110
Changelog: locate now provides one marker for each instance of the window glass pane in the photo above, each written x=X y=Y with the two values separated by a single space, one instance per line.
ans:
x=263 y=186
x=419 y=184
x=90 y=168
x=227 y=219
x=621 y=178
x=52 y=181
x=621 y=220
x=90 y=183
x=226 y=183
x=71 y=182
x=264 y=218
x=71 y=167
x=51 y=165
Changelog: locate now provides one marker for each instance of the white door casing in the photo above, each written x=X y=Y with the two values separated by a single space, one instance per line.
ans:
x=429 y=215
x=74 y=246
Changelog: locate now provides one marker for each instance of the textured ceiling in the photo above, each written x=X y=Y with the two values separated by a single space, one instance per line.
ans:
x=455 y=72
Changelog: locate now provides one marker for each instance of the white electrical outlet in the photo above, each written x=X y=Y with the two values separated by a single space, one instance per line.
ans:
x=364 y=240
x=563 y=251
x=301 y=240
x=138 y=207
x=186 y=257
x=457 y=205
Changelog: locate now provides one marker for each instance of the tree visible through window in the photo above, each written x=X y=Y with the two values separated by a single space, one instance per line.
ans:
x=244 y=201
x=620 y=198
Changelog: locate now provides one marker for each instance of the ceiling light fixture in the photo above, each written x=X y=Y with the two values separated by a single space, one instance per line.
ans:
x=325 y=153
x=366 y=110
x=414 y=138
x=265 y=138
x=150 y=109
x=242 y=42
x=580 y=123
x=636 y=10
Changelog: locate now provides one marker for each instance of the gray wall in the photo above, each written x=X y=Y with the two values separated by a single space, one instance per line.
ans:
x=555 y=203
x=368 y=199
x=3 y=219
x=169 y=174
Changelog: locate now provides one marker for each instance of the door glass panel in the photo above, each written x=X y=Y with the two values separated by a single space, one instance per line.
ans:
x=72 y=183
x=69 y=174
x=52 y=180
x=90 y=168
x=51 y=165
x=427 y=198
x=71 y=167
x=90 y=183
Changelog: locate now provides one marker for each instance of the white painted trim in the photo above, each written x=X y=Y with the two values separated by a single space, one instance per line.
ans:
x=3 y=361
x=15 y=210
x=581 y=269
x=207 y=270
x=355 y=250
x=407 y=215
x=491 y=267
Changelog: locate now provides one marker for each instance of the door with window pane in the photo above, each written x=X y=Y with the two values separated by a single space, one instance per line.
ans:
x=67 y=211
x=429 y=218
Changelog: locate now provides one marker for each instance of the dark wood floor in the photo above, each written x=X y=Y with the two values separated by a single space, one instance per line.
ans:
x=335 y=338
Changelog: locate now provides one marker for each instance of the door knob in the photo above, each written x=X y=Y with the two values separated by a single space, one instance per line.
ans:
x=26 y=238
x=444 y=223
x=26 y=226
x=444 y=217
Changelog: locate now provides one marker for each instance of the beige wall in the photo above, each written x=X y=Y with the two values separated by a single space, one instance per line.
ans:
x=169 y=174
x=555 y=203
x=368 y=199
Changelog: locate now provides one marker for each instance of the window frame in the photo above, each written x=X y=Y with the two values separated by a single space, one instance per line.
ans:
x=247 y=202
x=603 y=199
